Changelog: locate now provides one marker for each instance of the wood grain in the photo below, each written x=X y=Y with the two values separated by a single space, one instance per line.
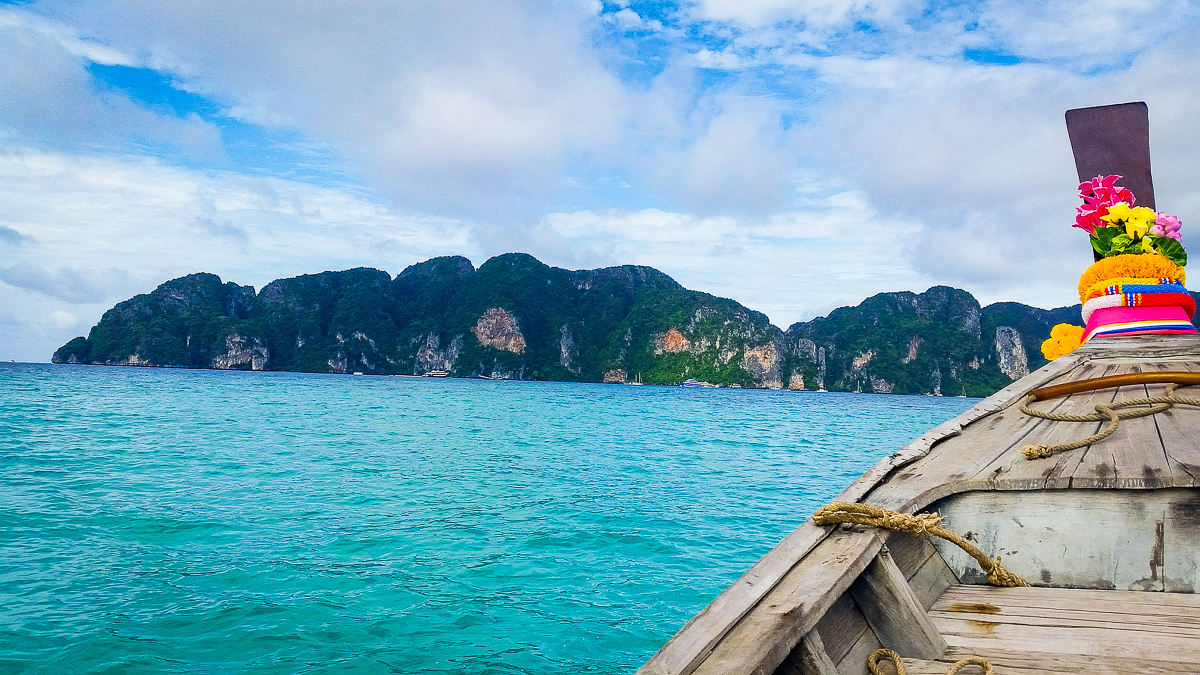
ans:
x=894 y=612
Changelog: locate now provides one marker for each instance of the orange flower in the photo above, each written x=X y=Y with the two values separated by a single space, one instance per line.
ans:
x=1129 y=266
x=1064 y=338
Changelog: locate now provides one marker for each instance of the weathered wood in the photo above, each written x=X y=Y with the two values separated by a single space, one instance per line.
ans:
x=952 y=466
x=763 y=638
x=1044 y=663
x=842 y=625
x=855 y=661
x=1099 y=625
x=1165 y=604
x=1080 y=538
x=809 y=658
x=932 y=579
x=971 y=452
x=926 y=571
x=894 y=612
x=1177 y=431
x=1012 y=471
x=696 y=640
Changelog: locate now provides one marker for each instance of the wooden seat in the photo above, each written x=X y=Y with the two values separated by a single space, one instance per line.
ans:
x=1054 y=630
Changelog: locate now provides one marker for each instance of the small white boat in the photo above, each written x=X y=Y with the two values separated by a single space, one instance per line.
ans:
x=437 y=373
x=693 y=383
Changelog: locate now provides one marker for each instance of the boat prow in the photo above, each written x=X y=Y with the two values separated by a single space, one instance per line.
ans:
x=1107 y=535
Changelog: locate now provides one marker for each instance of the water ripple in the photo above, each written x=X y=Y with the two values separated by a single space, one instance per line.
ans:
x=173 y=521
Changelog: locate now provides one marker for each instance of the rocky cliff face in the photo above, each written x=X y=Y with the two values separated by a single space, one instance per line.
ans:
x=522 y=319
x=498 y=329
x=513 y=316
x=937 y=342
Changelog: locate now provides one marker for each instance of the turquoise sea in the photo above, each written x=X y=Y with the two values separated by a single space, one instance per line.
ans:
x=180 y=521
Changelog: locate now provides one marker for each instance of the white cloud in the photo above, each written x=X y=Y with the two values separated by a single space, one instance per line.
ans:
x=770 y=150
x=463 y=108
x=51 y=100
x=65 y=37
x=791 y=266
x=819 y=13
x=106 y=228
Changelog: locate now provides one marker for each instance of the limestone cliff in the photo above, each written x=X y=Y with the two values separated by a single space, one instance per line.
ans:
x=498 y=329
x=515 y=317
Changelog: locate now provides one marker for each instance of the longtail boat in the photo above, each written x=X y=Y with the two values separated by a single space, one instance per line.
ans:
x=1075 y=491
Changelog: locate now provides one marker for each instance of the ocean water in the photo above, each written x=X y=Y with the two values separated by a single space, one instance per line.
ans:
x=177 y=521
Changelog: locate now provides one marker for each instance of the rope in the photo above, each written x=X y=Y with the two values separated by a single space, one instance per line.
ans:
x=1104 y=411
x=880 y=654
x=922 y=525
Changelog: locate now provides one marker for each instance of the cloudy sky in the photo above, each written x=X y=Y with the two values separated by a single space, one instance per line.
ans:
x=793 y=155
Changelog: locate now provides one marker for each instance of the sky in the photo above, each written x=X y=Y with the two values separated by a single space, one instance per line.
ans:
x=795 y=156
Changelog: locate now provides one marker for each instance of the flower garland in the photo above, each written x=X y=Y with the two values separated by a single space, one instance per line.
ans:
x=1137 y=247
x=1064 y=338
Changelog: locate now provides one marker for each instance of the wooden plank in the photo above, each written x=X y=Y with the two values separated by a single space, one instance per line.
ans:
x=1097 y=643
x=842 y=626
x=1151 y=625
x=809 y=658
x=855 y=661
x=1140 y=460
x=932 y=579
x=952 y=466
x=1116 y=461
x=1180 y=604
x=908 y=552
x=696 y=640
x=765 y=636
x=894 y=612
x=1177 y=429
x=1112 y=539
x=1008 y=662
x=1012 y=471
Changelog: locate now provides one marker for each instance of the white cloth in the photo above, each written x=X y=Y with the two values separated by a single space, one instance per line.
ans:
x=1101 y=302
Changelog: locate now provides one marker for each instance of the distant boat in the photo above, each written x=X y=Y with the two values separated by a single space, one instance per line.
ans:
x=497 y=375
x=637 y=382
x=358 y=372
x=437 y=373
x=693 y=383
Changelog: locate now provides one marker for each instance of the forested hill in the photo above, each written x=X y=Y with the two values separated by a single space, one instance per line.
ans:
x=520 y=319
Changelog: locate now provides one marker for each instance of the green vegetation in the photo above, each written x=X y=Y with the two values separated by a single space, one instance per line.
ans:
x=557 y=324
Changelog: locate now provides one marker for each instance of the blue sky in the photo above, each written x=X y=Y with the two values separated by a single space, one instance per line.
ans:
x=795 y=156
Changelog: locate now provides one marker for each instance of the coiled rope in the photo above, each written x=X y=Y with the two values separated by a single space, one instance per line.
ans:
x=929 y=524
x=880 y=654
x=921 y=525
x=1104 y=411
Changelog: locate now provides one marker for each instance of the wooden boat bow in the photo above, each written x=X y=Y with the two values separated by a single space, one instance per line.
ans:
x=1093 y=528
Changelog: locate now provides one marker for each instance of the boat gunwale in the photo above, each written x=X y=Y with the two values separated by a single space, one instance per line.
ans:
x=700 y=637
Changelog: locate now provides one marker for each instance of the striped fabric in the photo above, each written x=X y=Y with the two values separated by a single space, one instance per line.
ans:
x=1141 y=299
x=1116 y=321
x=1132 y=285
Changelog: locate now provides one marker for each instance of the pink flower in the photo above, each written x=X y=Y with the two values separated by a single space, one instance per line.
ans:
x=1098 y=194
x=1166 y=226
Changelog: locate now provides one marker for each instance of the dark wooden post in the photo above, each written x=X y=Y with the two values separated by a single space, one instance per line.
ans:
x=1112 y=139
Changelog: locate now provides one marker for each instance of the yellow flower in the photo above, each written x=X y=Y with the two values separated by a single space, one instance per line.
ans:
x=1117 y=213
x=1139 y=222
x=1064 y=338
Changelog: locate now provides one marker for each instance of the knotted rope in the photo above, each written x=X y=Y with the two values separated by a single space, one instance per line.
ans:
x=880 y=654
x=1104 y=411
x=922 y=525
